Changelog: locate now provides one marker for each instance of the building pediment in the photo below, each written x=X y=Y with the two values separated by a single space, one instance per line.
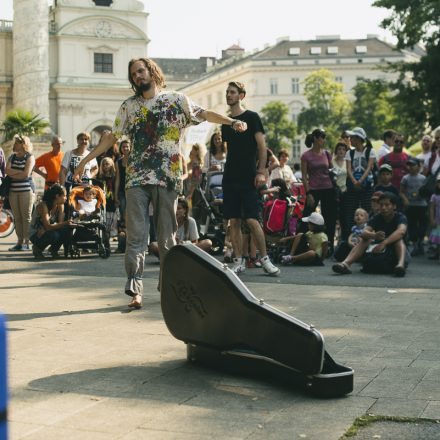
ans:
x=101 y=27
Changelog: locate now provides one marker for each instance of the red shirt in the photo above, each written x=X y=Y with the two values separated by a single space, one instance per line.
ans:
x=398 y=162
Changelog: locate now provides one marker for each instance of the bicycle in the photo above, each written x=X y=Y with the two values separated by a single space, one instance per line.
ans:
x=7 y=224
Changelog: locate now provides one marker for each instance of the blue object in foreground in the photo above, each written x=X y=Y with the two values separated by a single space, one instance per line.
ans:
x=3 y=381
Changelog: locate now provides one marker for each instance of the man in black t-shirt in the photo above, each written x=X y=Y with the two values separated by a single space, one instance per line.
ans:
x=387 y=229
x=241 y=177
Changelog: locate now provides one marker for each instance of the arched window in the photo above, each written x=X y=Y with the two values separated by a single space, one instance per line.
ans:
x=103 y=2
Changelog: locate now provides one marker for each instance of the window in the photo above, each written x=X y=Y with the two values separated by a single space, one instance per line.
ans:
x=294 y=51
x=332 y=50
x=295 y=86
x=296 y=150
x=103 y=2
x=361 y=49
x=315 y=51
x=103 y=62
x=338 y=79
x=295 y=117
x=274 y=86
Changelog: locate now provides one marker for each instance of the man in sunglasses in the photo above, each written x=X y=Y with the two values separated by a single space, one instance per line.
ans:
x=398 y=160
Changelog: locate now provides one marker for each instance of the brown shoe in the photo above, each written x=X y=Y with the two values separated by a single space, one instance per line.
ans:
x=136 y=302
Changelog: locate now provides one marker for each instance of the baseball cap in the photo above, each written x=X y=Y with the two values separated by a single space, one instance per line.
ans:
x=315 y=218
x=412 y=161
x=386 y=167
x=358 y=131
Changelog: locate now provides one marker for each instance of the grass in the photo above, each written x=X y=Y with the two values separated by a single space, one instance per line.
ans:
x=368 y=419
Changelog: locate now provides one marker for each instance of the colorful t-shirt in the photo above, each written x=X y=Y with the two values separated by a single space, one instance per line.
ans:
x=316 y=241
x=52 y=164
x=155 y=128
x=318 y=169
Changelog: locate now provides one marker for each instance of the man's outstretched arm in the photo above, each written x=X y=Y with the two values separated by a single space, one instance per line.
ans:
x=217 y=118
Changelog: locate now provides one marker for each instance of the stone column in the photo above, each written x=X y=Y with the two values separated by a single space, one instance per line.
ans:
x=31 y=56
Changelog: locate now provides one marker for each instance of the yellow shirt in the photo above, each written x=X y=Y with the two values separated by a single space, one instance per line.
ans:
x=316 y=240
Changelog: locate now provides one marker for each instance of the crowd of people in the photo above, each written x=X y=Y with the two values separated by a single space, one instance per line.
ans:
x=345 y=202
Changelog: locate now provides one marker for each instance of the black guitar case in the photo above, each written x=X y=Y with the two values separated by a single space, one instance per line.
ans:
x=205 y=305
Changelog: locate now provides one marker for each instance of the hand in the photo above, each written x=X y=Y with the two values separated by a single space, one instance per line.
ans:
x=275 y=189
x=379 y=235
x=239 y=126
x=69 y=223
x=215 y=168
x=378 y=248
x=78 y=173
x=310 y=200
x=260 y=179
x=358 y=184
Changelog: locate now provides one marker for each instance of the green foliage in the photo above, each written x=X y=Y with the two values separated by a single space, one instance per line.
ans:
x=280 y=131
x=373 y=107
x=22 y=122
x=414 y=22
x=328 y=105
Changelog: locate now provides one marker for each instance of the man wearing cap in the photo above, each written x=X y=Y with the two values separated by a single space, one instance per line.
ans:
x=51 y=162
x=397 y=159
x=416 y=206
x=388 y=142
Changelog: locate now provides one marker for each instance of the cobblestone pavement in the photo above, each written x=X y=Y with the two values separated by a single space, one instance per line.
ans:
x=81 y=365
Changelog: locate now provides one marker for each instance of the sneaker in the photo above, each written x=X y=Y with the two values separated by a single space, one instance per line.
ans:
x=25 y=247
x=269 y=268
x=257 y=263
x=17 y=247
x=250 y=263
x=239 y=266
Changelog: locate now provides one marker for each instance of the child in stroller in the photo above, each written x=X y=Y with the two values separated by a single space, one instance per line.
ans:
x=87 y=210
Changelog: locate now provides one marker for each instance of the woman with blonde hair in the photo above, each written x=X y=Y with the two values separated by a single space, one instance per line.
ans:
x=21 y=196
x=107 y=181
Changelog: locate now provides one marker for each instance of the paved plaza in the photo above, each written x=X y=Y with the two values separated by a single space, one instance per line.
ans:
x=83 y=366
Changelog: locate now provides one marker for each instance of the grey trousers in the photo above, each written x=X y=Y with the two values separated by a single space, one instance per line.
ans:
x=164 y=206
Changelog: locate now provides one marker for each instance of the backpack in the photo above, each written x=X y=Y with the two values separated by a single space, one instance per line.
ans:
x=369 y=181
x=275 y=214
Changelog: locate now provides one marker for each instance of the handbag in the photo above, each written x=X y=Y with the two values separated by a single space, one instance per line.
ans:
x=5 y=186
x=428 y=188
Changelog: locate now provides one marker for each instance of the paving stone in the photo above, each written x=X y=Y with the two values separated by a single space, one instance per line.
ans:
x=398 y=407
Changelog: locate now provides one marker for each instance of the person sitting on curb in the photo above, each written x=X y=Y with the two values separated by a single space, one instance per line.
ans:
x=386 y=232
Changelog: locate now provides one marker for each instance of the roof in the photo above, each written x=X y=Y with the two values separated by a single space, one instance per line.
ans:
x=182 y=68
x=346 y=48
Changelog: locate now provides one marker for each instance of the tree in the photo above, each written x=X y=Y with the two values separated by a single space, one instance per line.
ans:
x=416 y=22
x=23 y=122
x=280 y=131
x=328 y=105
x=373 y=108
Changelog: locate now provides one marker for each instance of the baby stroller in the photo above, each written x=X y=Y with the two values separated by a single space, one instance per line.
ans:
x=209 y=209
x=280 y=219
x=89 y=233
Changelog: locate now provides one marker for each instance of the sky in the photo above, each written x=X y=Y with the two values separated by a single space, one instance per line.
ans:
x=194 y=28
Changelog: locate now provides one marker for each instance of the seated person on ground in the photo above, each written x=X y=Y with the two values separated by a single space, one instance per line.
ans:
x=87 y=205
x=48 y=226
x=384 y=235
x=310 y=248
x=360 y=221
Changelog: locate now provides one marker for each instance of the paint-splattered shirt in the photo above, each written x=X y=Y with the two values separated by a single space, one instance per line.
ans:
x=156 y=128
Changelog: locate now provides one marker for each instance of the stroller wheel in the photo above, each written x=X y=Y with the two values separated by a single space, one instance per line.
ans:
x=75 y=253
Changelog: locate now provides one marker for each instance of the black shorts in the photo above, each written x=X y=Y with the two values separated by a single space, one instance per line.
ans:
x=240 y=201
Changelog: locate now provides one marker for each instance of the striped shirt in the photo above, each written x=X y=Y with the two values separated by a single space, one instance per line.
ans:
x=19 y=163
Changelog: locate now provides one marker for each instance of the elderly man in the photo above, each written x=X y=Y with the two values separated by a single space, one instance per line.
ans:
x=51 y=163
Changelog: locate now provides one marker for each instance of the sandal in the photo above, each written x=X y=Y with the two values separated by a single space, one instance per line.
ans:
x=136 y=302
x=341 y=269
